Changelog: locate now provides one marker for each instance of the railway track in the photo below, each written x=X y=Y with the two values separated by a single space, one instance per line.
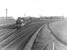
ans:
x=17 y=39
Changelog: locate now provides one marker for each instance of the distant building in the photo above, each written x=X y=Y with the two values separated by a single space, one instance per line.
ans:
x=52 y=17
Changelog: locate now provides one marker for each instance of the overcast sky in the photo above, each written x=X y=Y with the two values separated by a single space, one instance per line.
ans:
x=35 y=8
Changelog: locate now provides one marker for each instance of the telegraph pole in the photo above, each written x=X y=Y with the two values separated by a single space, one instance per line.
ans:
x=53 y=46
x=6 y=14
x=24 y=14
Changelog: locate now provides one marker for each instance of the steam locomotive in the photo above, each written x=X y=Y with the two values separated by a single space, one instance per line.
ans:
x=22 y=21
